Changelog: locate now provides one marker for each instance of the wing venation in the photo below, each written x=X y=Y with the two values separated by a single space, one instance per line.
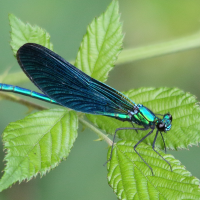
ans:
x=67 y=85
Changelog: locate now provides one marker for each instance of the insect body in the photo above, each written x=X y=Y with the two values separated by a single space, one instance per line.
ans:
x=66 y=85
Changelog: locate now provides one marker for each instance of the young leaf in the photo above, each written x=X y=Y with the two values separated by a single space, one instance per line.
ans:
x=37 y=144
x=23 y=33
x=182 y=106
x=101 y=44
x=130 y=177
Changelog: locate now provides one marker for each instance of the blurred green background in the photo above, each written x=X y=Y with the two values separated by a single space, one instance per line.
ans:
x=82 y=175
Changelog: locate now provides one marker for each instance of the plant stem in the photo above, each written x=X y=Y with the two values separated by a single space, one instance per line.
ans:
x=31 y=105
x=97 y=131
x=154 y=50
x=14 y=98
x=134 y=54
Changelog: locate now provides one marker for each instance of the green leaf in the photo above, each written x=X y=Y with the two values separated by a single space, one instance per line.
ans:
x=37 y=144
x=15 y=78
x=23 y=33
x=101 y=44
x=182 y=106
x=131 y=179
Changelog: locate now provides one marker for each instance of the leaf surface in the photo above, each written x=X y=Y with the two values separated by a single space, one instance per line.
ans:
x=37 y=144
x=101 y=44
x=22 y=33
x=131 y=179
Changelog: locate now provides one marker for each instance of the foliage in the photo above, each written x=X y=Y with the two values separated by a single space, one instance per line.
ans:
x=41 y=140
x=24 y=33
x=37 y=144
x=130 y=177
x=101 y=44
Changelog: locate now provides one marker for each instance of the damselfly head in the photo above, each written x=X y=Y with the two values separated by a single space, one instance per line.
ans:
x=168 y=116
x=165 y=123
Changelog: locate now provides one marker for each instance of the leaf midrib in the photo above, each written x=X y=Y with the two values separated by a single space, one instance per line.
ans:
x=32 y=149
x=103 y=40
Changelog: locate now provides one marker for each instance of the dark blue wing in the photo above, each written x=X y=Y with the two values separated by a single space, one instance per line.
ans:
x=67 y=85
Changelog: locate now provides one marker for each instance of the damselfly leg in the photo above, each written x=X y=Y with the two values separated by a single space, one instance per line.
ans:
x=118 y=129
x=153 y=146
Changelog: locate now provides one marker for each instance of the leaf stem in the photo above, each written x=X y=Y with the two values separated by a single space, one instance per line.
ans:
x=97 y=131
x=134 y=54
x=31 y=105
x=24 y=102
x=164 y=48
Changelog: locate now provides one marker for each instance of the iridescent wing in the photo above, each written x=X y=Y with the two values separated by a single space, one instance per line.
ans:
x=67 y=85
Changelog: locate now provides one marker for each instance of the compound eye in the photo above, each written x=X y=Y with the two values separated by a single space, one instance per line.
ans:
x=161 y=126
x=168 y=116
